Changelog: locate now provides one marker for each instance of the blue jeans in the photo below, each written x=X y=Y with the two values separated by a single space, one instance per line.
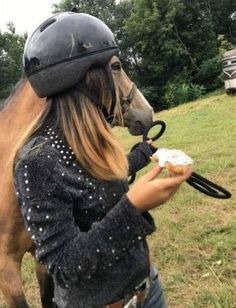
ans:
x=155 y=298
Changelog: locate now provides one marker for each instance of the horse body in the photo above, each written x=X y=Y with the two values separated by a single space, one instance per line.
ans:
x=14 y=239
x=14 y=119
x=20 y=110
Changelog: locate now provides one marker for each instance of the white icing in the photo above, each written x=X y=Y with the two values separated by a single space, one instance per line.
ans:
x=175 y=157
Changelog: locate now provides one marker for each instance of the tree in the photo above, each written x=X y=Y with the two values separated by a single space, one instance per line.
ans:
x=218 y=13
x=102 y=9
x=11 y=50
x=173 y=40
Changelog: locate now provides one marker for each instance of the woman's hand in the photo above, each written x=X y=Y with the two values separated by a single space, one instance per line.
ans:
x=150 y=192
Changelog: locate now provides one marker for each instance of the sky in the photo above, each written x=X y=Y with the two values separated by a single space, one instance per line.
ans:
x=26 y=15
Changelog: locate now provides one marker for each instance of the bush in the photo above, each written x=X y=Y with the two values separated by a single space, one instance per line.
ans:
x=195 y=91
x=209 y=74
x=154 y=96
x=178 y=93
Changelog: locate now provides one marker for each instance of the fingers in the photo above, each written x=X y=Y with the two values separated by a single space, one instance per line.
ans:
x=151 y=175
x=150 y=141
x=188 y=173
x=175 y=181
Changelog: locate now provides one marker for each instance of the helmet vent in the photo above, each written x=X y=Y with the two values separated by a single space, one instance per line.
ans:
x=47 y=24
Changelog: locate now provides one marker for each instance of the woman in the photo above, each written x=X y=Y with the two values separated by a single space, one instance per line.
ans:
x=71 y=174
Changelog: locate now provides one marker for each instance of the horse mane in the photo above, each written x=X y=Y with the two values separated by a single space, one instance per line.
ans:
x=13 y=93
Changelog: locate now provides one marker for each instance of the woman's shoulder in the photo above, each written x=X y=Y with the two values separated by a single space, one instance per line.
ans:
x=37 y=149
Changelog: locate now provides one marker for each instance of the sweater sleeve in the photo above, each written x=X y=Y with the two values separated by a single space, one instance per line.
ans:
x=139 y=157
x=47 y=209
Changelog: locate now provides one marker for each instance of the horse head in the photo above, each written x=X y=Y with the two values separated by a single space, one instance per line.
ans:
x=137 y=112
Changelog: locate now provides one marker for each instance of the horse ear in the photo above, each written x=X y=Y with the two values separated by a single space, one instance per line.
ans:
x=75 y=9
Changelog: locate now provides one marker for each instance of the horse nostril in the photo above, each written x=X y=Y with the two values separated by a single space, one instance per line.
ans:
x=140 y=124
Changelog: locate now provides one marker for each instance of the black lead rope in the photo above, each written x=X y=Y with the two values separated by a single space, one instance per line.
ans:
x=197 y=181
x=207 y=187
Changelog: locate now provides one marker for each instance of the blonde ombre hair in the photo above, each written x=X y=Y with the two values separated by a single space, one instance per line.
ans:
x=82 y=123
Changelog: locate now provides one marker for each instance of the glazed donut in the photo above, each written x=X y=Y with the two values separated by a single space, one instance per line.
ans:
x=175 y=161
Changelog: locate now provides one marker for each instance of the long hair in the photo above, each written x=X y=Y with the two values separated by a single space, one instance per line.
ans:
x=79 y=117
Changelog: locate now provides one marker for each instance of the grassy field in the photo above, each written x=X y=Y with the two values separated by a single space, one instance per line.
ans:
x=194 y=246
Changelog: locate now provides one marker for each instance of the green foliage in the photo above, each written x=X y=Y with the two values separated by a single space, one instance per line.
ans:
x=178 y=93
x=209 y=74
x=154 y=95
x=195 y=91
x=11 y=50
x=171 y=37
x=102 y=9
x=218 y=13
x=224 y=44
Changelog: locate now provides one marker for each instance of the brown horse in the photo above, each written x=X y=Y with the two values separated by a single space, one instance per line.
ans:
x=18 y=112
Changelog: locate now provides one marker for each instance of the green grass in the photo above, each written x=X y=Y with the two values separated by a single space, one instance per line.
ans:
x=194 y=246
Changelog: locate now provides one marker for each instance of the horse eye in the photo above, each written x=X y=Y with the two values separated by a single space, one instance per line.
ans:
x=116 y=66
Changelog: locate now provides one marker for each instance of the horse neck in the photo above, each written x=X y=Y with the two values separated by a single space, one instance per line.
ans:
x=20 y=110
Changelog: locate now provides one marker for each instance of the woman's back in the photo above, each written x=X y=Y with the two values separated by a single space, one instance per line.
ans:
x=86 y=231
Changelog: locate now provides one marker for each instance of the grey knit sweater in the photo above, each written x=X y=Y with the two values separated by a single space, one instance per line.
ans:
x=86 y=232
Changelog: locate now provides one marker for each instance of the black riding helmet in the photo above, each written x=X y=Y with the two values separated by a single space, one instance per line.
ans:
x=63 y=48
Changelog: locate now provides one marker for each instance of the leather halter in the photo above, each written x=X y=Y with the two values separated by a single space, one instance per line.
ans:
x=125 y=104
x=126 y=101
